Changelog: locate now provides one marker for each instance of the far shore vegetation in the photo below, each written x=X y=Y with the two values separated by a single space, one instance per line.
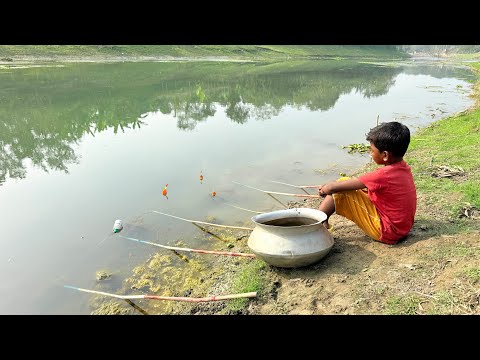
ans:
x=245 y=52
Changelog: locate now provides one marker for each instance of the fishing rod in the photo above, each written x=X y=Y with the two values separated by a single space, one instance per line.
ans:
x=278 y=193
x=174 y=298
x=229 y=253
x=297 y=186
x=238 y=207
x=202 y=222
x=302 y=187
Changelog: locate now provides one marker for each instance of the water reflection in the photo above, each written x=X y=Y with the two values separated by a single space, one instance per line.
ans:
x=44 y=111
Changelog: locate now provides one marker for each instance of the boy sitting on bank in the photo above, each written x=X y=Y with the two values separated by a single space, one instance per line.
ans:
x=383 y=202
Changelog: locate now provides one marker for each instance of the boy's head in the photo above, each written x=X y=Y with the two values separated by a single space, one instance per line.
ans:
x=392 y=137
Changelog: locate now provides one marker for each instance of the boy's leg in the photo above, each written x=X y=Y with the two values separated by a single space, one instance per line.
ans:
x=356 y=206
x=328 y=207
x=328 y=204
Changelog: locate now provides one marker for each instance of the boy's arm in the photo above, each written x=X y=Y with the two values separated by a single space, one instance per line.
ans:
x=338 y=186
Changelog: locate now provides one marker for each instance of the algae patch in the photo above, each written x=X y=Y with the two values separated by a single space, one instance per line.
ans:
x=166 y=274
x=112 y=307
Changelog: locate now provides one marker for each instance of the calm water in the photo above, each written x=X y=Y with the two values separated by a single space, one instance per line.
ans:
x=85 y=144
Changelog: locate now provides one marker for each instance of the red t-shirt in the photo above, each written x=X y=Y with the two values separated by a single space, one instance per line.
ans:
x=392 y=191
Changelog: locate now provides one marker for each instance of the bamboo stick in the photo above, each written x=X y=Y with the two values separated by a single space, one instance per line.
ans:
x=295 y=186
x=202 y=222
x=210 y=233
x=278 y=193
x=136 y=307
x=174 y=248
x=123 y=297
x=238 y=207
x=175 y=298
x=274 y=198
x=204 y=299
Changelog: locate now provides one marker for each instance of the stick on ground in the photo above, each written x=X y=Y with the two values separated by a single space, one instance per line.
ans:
x=174 y=298
x=174 y=248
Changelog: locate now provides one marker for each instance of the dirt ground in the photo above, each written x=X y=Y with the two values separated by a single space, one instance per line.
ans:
x=422 y=274
x=430 y=272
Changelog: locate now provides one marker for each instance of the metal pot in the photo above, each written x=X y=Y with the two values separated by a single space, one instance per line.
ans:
x=290 y=238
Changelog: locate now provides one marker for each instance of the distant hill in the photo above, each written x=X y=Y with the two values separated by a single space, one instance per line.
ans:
x=52 y=52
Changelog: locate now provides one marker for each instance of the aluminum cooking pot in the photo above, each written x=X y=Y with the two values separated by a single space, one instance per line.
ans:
x=290 y=238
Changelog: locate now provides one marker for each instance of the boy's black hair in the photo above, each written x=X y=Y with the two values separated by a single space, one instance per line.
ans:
x=391 y=136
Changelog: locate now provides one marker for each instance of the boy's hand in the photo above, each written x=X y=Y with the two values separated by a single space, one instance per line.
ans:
x=339 y=186
x=323 y=190
x=328 y=188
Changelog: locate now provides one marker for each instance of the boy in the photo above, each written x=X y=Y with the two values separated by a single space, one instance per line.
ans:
x=383 y=202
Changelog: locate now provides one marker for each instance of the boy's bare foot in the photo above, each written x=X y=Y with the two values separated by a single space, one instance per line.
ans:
x=328 y=226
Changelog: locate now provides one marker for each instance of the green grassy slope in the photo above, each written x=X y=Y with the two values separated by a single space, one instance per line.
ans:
x=237 y=51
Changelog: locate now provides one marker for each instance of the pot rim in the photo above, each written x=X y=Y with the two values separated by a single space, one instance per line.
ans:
x=314 y=214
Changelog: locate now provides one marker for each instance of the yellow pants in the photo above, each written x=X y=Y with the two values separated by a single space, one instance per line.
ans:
x=355 y=205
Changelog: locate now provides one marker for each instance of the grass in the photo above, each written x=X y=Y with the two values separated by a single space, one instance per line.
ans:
x=444 y=303
x=402 y=305
x=451 y=251
x=454 y=141
x=473 y=274
x=232 y=51
x=250 y=279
